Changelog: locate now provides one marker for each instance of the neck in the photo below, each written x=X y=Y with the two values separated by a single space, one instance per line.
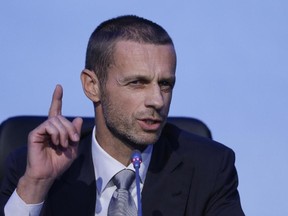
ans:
x=111 y=144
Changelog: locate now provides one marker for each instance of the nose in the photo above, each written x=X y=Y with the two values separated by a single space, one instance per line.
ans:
x=154 y=98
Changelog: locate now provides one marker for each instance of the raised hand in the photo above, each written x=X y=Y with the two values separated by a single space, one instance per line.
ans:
x=52 y=147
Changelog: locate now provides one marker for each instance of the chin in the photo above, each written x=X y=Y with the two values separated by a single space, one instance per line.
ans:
x=147 y=139
x=142 y=142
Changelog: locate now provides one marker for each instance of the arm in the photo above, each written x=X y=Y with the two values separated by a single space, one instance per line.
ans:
x=52 y=147
x=225 y=200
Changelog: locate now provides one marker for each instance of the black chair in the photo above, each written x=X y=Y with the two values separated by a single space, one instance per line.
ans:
x=14 y=131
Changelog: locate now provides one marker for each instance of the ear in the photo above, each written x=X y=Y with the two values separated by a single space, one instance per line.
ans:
x=90 y=85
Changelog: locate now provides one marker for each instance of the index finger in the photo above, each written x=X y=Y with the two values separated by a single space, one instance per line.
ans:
x=56 y=103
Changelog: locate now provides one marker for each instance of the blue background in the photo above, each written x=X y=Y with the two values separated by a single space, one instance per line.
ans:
x=232 y=74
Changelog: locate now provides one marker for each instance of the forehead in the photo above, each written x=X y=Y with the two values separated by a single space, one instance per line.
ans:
x=144 y=56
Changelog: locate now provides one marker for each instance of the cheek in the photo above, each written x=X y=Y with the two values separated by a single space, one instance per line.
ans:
x=168 y=97
x=125 y=102
x=130 y=97
x=167 y=102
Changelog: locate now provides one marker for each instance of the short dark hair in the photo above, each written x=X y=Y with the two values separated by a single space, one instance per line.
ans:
x=99 y=54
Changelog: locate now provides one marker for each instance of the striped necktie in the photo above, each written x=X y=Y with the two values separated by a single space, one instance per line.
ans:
x=122 y=203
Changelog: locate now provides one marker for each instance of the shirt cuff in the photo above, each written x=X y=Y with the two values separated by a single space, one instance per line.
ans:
x=17 y=207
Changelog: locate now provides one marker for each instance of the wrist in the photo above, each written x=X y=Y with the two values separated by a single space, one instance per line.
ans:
x=32 y=190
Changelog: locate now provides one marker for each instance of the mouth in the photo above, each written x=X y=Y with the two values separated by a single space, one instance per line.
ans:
x=150 y=125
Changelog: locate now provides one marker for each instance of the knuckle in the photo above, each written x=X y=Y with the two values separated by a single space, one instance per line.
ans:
x=31 y=136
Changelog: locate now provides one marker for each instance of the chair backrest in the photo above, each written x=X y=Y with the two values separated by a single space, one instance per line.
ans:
x=14 y=131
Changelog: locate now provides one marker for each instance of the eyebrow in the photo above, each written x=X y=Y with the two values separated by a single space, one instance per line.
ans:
x=171 y=79
x=126 y=79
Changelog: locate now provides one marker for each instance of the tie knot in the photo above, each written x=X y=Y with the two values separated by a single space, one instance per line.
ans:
x=124 y=179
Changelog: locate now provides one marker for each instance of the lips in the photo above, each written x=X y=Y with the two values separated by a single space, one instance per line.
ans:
x=150 y=125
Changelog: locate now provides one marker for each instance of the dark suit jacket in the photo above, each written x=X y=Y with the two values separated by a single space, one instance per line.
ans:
x=188 y=175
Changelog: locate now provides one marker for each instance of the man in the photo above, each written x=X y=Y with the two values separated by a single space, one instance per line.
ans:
x=129 y=76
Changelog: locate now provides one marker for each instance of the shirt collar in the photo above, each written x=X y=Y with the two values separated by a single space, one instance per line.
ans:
x=105 y=166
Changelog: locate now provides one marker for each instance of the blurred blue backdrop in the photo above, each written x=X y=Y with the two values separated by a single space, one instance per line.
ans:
x=232 y=73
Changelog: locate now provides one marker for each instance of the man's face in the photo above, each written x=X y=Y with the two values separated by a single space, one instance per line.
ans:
x=138 y=91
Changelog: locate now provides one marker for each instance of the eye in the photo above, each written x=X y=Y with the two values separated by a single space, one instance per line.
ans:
x=137 y=83
x=166 y=85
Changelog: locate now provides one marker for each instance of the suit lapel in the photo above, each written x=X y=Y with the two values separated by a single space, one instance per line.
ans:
x=168 y=180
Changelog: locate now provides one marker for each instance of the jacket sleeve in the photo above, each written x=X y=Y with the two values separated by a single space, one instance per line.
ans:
x=225 y=200
x=14 y=168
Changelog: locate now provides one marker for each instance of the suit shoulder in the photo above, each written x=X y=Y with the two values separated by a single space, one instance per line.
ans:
x=186 y=143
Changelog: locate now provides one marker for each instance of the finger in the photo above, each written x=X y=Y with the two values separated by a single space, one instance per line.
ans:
x=58 y=131
x=63 y=127
x=77 y=122
x=46 y=132
x=69 y=129
x=56 y=104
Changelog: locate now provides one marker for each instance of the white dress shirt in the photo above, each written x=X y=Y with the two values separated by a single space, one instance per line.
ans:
x=105 y=168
